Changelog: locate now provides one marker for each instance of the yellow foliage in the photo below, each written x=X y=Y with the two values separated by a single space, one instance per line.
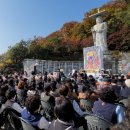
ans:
x=8 y=61
x=117 y=54
x=1 y=65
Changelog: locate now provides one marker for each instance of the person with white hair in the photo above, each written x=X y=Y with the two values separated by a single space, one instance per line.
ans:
x=125 y=91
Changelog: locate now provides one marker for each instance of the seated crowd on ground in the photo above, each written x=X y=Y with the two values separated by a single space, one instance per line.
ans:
x=57 y=102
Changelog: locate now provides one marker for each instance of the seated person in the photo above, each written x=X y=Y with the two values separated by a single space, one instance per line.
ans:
x=125 y=91
x=21 y=92
x=54 y=90
x=107 y=108
x=3 y=90
x=125 y=125
x=85 y=103
x=66 y=92
x=79 y=114
x=45 y=96
x=103 y=83
x=115 y=87
x=83 y=94
x=64 y=120
x=47 y=102
x=32 y=89
x=11 y=97
x=71 y=89
x=31 y=113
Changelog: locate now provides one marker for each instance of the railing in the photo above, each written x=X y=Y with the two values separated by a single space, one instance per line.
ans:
x=52 y=66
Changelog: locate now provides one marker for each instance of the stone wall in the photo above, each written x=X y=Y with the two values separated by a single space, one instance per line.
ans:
x=51 y=66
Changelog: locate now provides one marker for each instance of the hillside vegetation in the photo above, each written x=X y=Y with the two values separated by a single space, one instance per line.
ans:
x=68 y=42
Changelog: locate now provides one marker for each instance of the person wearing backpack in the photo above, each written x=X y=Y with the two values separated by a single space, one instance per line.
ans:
x=47 y=102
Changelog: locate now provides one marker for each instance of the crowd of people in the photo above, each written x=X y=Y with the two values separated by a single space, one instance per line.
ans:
x=56 y=102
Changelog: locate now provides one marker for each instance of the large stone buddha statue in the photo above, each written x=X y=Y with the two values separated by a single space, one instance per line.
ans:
x=99 y=32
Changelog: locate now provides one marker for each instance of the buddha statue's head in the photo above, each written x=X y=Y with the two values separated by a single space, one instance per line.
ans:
x=99 y=20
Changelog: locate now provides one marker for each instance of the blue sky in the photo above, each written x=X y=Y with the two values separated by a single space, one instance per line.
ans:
x=24 y=19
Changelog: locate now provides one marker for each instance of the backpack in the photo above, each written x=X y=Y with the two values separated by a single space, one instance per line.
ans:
x=114 y=115
x=54 y=123
x=48 y=103
x=47 y=111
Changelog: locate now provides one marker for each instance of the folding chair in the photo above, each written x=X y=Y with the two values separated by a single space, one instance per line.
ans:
x=11 y=118
x=26 y=125
x=97 y=123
